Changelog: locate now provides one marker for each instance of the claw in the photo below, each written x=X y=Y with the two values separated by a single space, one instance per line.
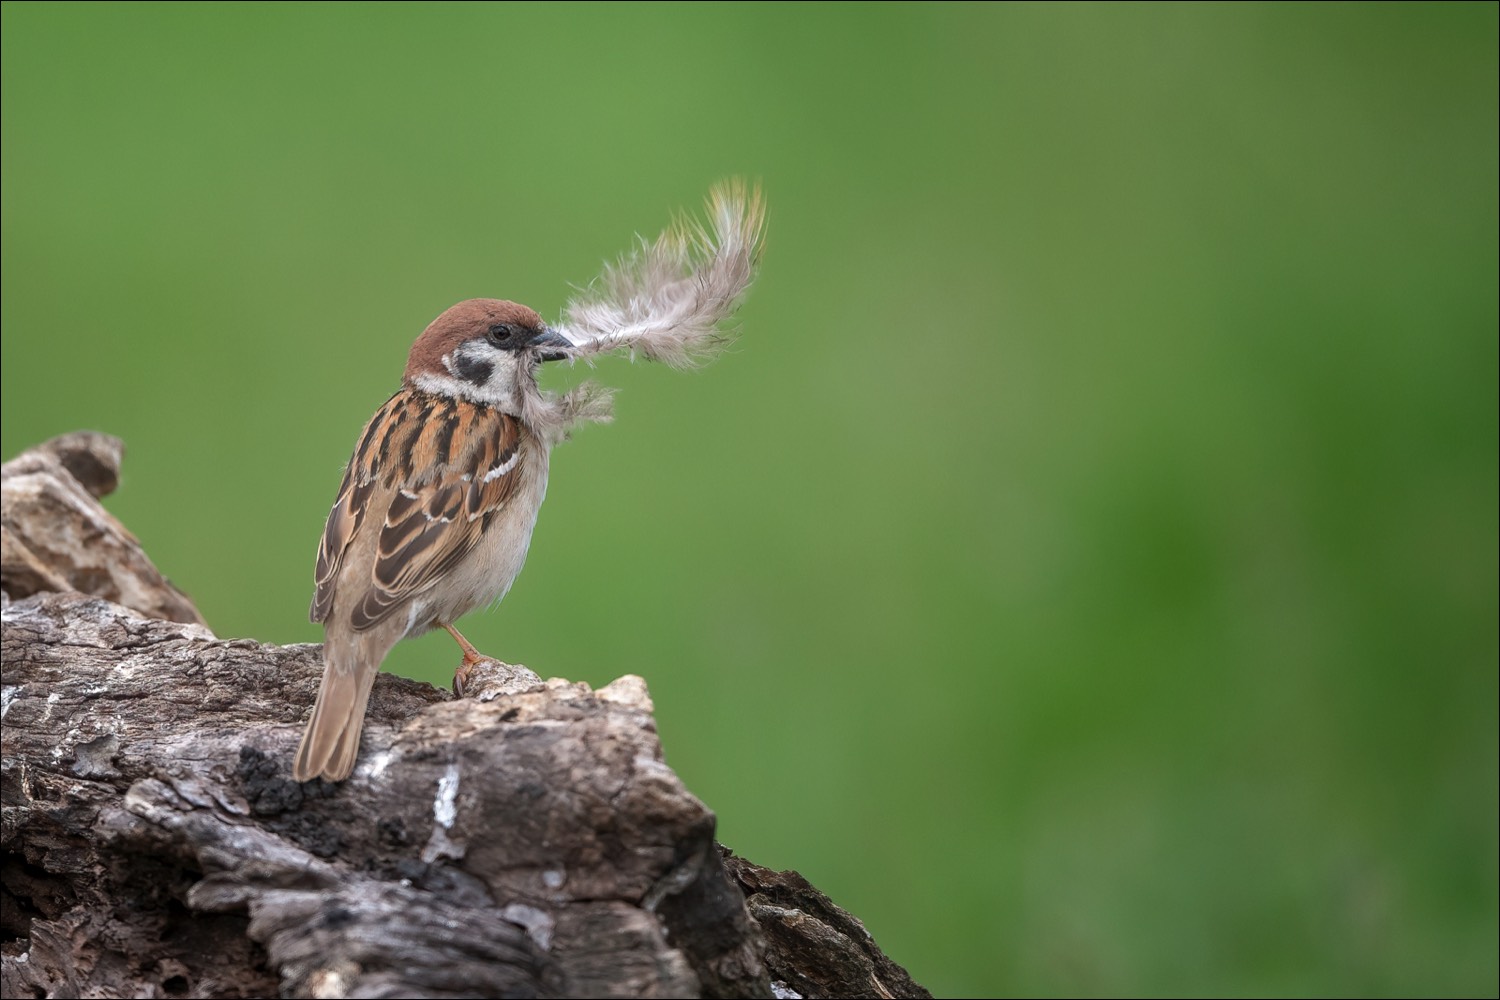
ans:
x=472 y=659
x=461 y=678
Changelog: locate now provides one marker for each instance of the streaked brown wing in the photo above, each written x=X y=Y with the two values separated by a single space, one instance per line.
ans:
x=349 y=509
x=453 y=465
x=448 y=466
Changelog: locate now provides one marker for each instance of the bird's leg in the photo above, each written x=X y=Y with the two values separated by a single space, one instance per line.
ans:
x=471 y=655
x=472 y=659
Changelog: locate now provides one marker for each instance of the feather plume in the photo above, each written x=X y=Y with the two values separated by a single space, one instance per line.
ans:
x=666 y=301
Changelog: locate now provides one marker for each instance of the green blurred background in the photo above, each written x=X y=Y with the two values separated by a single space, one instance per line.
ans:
x=1084 y=568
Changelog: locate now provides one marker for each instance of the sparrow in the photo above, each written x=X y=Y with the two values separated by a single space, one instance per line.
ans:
x=436 y=509
x=435 y=512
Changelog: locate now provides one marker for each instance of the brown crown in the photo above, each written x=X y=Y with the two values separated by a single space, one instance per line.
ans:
x=462 y=322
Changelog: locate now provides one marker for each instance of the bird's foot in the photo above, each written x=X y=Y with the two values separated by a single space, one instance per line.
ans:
x=465 y=676
x=490 y=679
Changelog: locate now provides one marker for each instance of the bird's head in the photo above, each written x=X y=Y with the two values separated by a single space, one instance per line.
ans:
x=484 y=350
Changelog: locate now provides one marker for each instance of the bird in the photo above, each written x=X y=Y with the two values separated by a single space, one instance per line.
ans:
x=434 y=516
x=435 y=512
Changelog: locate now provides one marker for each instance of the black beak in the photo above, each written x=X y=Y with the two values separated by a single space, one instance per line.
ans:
x=552 y=345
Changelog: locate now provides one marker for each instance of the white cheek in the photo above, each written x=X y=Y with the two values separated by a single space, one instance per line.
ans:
x=503 y=378
x=502 y=389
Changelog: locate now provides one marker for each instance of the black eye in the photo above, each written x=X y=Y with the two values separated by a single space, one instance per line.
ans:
x=501 y=334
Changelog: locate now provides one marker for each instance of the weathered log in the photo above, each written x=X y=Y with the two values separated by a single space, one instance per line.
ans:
x=55 y=536
x=524 y=840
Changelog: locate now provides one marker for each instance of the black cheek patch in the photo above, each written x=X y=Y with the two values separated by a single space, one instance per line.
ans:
x=475 y=370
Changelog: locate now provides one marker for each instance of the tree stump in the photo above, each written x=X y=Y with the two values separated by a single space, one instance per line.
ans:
x=525 y=840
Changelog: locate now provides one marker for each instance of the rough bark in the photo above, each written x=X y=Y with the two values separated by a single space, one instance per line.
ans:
x=524 y=840
x=57 y=537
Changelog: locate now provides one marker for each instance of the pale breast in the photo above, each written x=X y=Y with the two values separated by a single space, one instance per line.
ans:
x=485 y=575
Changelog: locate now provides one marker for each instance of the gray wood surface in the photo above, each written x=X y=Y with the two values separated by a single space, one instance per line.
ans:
x=527 y=839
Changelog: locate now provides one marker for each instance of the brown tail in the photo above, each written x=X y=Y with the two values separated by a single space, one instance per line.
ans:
x=331 y=740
